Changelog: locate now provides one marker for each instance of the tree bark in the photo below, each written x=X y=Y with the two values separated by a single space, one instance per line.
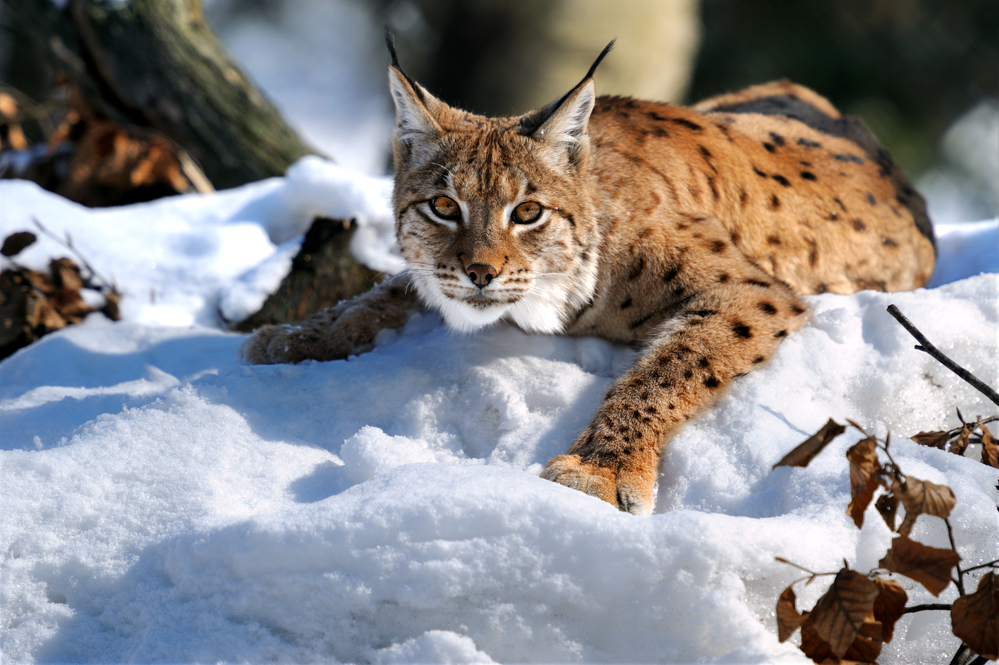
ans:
x=156 y=63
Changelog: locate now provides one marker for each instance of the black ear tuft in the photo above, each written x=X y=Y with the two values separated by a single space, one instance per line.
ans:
x=390 y=43
x=596 y=63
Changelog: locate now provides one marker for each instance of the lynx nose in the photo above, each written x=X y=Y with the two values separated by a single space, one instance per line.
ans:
x=480 y=274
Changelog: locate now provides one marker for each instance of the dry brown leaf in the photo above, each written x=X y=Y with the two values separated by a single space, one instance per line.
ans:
x=865 y=648
x=931 y=439
x=16 y=137
x=975 y=617
x=8 y=106
x=990 y=450
x=840 y=612
x=815 y=647
x=961 y=442
x=812 y=446
x=867 y=644
x=887 y=506
x=15 y=243
x=930 y=566
x=864 y=464
x=889 y=606
x=788 y=617
x=923 y=497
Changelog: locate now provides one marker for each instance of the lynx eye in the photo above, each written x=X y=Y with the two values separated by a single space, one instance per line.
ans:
x=445 y=208
x=527 y=212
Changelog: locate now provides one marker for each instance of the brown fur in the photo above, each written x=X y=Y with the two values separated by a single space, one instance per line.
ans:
x=687 y=232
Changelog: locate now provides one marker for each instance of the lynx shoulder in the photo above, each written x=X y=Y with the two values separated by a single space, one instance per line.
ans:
x=688 y=232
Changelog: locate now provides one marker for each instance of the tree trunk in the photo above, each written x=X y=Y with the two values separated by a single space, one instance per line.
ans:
x=156 y=63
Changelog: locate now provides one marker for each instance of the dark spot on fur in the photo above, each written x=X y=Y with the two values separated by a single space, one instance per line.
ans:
x=627 y=303
x=742 y=330
x=672 y=406
x=743 y=198
x=756 y=282
x=758 y=359
x=808 y=143
x=683 y=122
x=808 y=175
x=888 y=242
x=859 y=225
x=711 y=382
x=703 y=362
x=797 y=310
x=780 y=333
x=636 y=268
x=672 y=273
x=655 y=116
x=781 y=179
x=773 y=240
x=804 y=163
x=722 y=278
x=704 y=151
x=713 y=187
x=569 y=218
x=718 y=246
x=848 y=158
x=759 y=172
x=770 y=147
x=870 y=199
x=767 y=308
x=637 y=324
x=776 y=138
x=840 y=204
x=822 y=288
x=774 y=202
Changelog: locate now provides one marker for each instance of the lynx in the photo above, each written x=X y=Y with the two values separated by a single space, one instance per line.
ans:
x=690 y=233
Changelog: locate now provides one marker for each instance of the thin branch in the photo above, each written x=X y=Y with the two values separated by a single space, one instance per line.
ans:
x=983 y=565
x=927 y=606
x=925 y=346
x=959 y=582
x=68 y=243
x=959 y=656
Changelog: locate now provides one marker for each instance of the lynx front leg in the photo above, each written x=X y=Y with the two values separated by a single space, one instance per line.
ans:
x=336 y=332
x=717 y=336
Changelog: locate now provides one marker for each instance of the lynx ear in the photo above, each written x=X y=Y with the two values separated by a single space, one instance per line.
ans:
x=565 y=125
x=562 y=124
x=412 y=107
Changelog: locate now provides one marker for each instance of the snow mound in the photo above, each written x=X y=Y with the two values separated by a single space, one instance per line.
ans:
x=163 y=503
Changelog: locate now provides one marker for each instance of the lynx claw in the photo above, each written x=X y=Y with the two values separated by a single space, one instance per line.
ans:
x=626 y=491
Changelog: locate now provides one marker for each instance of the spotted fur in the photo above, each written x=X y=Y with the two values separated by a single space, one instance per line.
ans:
x=688 y=232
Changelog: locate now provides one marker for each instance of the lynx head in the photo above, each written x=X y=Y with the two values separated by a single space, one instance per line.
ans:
x=492 y=214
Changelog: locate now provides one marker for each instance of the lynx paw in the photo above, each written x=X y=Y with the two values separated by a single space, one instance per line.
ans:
x=269 y=345
x=631 y=493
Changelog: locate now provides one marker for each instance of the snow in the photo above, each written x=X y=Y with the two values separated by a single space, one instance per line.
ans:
x=162 y=502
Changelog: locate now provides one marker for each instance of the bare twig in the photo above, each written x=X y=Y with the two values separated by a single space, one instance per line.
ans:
x=925 y=346
x=959 y=582
x=927 y=606
x=983 y=565
x=68 y=243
